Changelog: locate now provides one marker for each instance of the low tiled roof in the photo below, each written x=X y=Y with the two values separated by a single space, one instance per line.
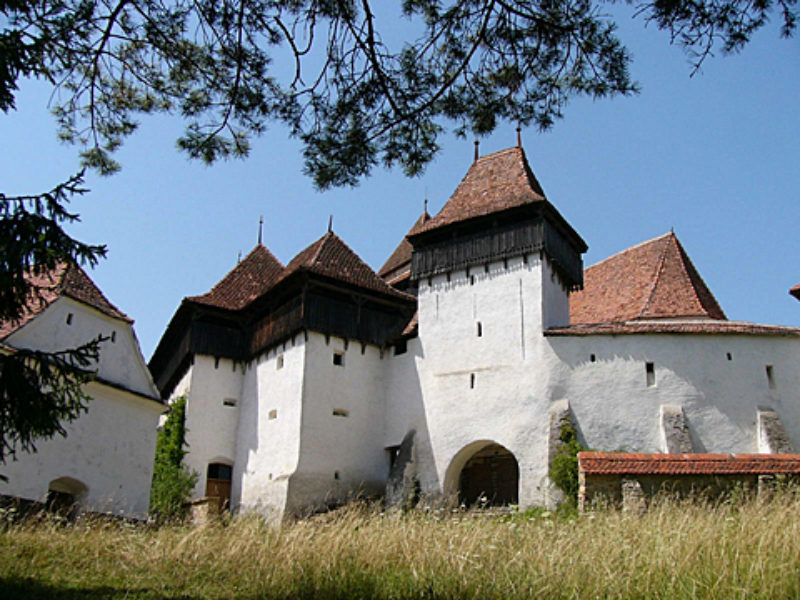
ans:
x=248 y=280
x=619 y=463
x=331 y=257
x=494 y=183
x=675 y=327
x=401 y=257
x=653 y=280
x=795 y=291
x=66 y=279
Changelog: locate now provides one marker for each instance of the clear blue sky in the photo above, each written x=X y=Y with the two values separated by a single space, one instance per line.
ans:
x=716 y=157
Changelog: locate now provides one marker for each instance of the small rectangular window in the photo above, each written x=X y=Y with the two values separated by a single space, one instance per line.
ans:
x=113 y=337
x=650 y=370
x=338 y=359
x=229 y=402
x=472 y=381
x=480 y=329
x=69 y=318
x=273 y=414
x=592 y=358
x=279 y=362
x=340 y=412
x=729 y=356
x=770 y=377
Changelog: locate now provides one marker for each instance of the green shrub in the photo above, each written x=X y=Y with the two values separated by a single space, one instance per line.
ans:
x=564 y=465
x=173 y=482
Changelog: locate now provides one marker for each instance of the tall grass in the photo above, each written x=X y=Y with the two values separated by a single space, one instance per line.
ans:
x=747 y=550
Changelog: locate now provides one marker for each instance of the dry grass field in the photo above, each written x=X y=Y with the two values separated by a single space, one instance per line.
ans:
x=736 y=550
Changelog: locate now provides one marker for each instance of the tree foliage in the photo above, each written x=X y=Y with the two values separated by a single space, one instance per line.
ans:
x=564 y=465
x=334 y=71
x=39 y=391
x=172 y=480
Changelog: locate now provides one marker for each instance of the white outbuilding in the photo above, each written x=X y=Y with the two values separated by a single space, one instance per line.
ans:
x=105 y=462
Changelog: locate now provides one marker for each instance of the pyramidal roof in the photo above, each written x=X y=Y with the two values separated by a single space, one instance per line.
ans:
x=252 y=277
x=331 y=257
x=494 y=183
x=653 y=280
x=401 y=257
x=66 y=279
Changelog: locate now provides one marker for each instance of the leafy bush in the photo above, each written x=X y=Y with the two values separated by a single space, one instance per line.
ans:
x=173 y=482
x=564 y=466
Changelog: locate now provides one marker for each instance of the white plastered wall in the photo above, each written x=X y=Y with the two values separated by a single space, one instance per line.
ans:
x=110 y=449
x=121 y=360
x=616 y=410
x=268 y=438
x=210 y=424
x=492 y=387
x=340 y=454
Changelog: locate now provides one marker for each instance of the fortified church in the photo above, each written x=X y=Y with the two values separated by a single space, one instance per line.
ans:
x=451 y=372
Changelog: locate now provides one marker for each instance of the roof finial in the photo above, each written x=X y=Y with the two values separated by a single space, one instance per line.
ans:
x=477 y=143
x=519 y=136
x=260 y=224
x=425 y=209
x=239 y=258
x=330 y=224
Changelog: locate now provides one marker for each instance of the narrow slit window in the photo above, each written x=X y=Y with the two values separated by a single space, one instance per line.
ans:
x=279 y=362
x=472 y=279
x=69 y=318
x=592 y=358
x=770 y=377
x=336 y=475
x=472 y=381
x=338 y=359
x=650 y=371
x=229 y=402
x=216 y=362
x=340 y=412
x=480 y=329
x=729 y=356
x=113 y=337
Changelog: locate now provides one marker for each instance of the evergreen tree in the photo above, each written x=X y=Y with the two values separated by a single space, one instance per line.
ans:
x=173 y=482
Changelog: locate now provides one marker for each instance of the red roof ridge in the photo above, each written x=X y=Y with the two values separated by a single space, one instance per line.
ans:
x=249 y=279
x=625 y=250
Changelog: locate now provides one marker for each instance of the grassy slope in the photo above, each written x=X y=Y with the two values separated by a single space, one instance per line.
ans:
x=751 y=550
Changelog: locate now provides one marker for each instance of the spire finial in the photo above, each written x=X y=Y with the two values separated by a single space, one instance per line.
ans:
x=519 y=136
x=330 y=224
x=425 y=210
x=260 y=224
x=239 y=258
x=477 y=143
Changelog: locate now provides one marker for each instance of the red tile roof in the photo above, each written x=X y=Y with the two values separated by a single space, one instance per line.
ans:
x=248 y=280
x=64 y=280
x=399 y=263
x=619 y=463
x=331 y=257
x=494 y=183
x=795 y=291
x=700 y=327
x=653 y=280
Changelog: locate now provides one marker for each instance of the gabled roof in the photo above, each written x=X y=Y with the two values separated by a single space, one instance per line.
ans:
x=401 y=257
x=494 y=183
x=331 y=257
x=66 y=279
x=654 y=280
x=248 y=280
x=622 y=463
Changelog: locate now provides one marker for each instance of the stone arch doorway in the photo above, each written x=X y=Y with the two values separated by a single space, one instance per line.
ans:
x=64 y=496
x=484 y=473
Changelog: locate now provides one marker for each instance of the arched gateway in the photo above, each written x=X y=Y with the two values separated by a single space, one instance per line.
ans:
x=484 y=473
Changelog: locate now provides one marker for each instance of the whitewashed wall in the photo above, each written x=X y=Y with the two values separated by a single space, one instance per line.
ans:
x=210 y=424
x=110 y=449
x=121 y=361
x=340 y=454
x=616 y=410
x=509 y=401
x=268 y=437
